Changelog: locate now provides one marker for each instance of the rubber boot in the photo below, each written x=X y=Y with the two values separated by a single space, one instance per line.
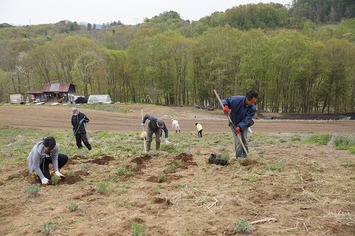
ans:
x=148 y=146
x=157 y=146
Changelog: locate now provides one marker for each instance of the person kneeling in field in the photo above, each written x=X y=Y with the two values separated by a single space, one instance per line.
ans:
x=43 y=153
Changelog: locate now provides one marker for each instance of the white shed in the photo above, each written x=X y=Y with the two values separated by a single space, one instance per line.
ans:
x=16 y=98
x=102 y=98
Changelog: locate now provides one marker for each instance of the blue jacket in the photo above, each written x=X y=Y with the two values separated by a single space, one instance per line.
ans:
x=241 y=114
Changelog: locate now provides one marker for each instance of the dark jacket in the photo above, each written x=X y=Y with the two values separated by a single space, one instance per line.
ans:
x=153 y=124
x=241 y=114
x=75 y=123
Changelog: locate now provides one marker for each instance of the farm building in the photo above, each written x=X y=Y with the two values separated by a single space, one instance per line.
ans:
x=56 y=91
x=17 y=98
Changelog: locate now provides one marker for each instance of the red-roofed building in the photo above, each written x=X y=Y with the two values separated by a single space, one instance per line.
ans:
x=59 y=92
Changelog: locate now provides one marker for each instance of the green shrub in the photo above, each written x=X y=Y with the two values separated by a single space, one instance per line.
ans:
x=276 y=167
x=243 y=226
x=71 y=173
x=319 y=139
x=101 y=187
x=170 y=168
x=345 y=143
x=137 y=229
x=55 y=179
x=73 y=207
x=49 y=227
x=121 y=170
x=32 y=190
x=161 y=177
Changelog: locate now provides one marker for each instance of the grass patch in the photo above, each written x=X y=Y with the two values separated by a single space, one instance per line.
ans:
x=243 y=226
x=101 y=187
x=137 y=229
x=32 y=190
x=345 y=143
x=49 y=227
x=319 y=139
x=275 y=167
x=73 y=207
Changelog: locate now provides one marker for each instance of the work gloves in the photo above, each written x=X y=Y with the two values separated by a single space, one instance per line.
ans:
x=45 y=180
x=57 y=173
x=81 y=121
x=237 y=130
x=142 y=124
x=166 y=141
x=226 y=109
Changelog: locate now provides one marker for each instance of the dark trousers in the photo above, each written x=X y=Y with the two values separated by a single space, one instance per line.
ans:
x=82 y=138
x=199 y=133
x=62 y=160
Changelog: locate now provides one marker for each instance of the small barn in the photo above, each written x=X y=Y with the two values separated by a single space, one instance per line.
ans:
x=56 y=91
x=101 y=98
x=17 y=98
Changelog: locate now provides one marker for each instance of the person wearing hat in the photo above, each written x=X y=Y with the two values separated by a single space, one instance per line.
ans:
x=43 y=153
x=78 y=121
x=155 y=126
x=175 y=125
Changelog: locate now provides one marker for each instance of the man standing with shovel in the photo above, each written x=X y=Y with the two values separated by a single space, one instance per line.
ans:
x=78 y=122
x=241 y=110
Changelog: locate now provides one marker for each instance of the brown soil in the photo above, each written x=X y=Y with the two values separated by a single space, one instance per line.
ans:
x=283 y=188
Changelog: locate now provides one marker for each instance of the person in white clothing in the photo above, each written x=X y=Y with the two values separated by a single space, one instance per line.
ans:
x=175 y=125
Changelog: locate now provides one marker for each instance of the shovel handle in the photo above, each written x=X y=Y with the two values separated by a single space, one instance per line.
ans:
x=230 y=121
x=145 y=144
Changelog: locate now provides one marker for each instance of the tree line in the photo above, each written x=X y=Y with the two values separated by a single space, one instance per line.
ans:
x=308 y=70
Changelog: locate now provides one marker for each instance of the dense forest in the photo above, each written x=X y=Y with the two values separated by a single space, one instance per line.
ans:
x=300 y=57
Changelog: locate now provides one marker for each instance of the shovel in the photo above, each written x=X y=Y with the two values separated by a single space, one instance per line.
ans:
x=145 y=144
x=230 y=121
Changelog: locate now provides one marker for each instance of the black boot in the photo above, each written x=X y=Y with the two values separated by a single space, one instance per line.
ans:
x=148 y=146
x=157 y=146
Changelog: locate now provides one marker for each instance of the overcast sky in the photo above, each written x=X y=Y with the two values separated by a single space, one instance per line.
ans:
x=26 y=12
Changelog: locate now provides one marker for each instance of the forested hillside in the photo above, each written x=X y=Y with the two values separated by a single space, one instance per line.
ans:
x=299 y=57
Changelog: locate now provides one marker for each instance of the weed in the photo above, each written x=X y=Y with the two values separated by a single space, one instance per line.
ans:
x=122 y=189
x=32 y=190
x=84 y=166
x=49 y=227
x=123 y=203
x=275 y=167
x=55 y=179
x=101 y=187
x=249 y=177
x=178 y=162
x=161 y=177
x=243 y=226
x=121 y=170
x=137 y=229
x=319 y=139
x=170 y=168
x=71 y=173
x=345 y=143
x=133 y=166
x=73 y=207
x=129 y=173
x=295 y=138
x=224 y=156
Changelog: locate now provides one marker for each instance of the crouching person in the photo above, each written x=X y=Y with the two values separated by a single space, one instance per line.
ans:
x=155 y=126
x=42 y=154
